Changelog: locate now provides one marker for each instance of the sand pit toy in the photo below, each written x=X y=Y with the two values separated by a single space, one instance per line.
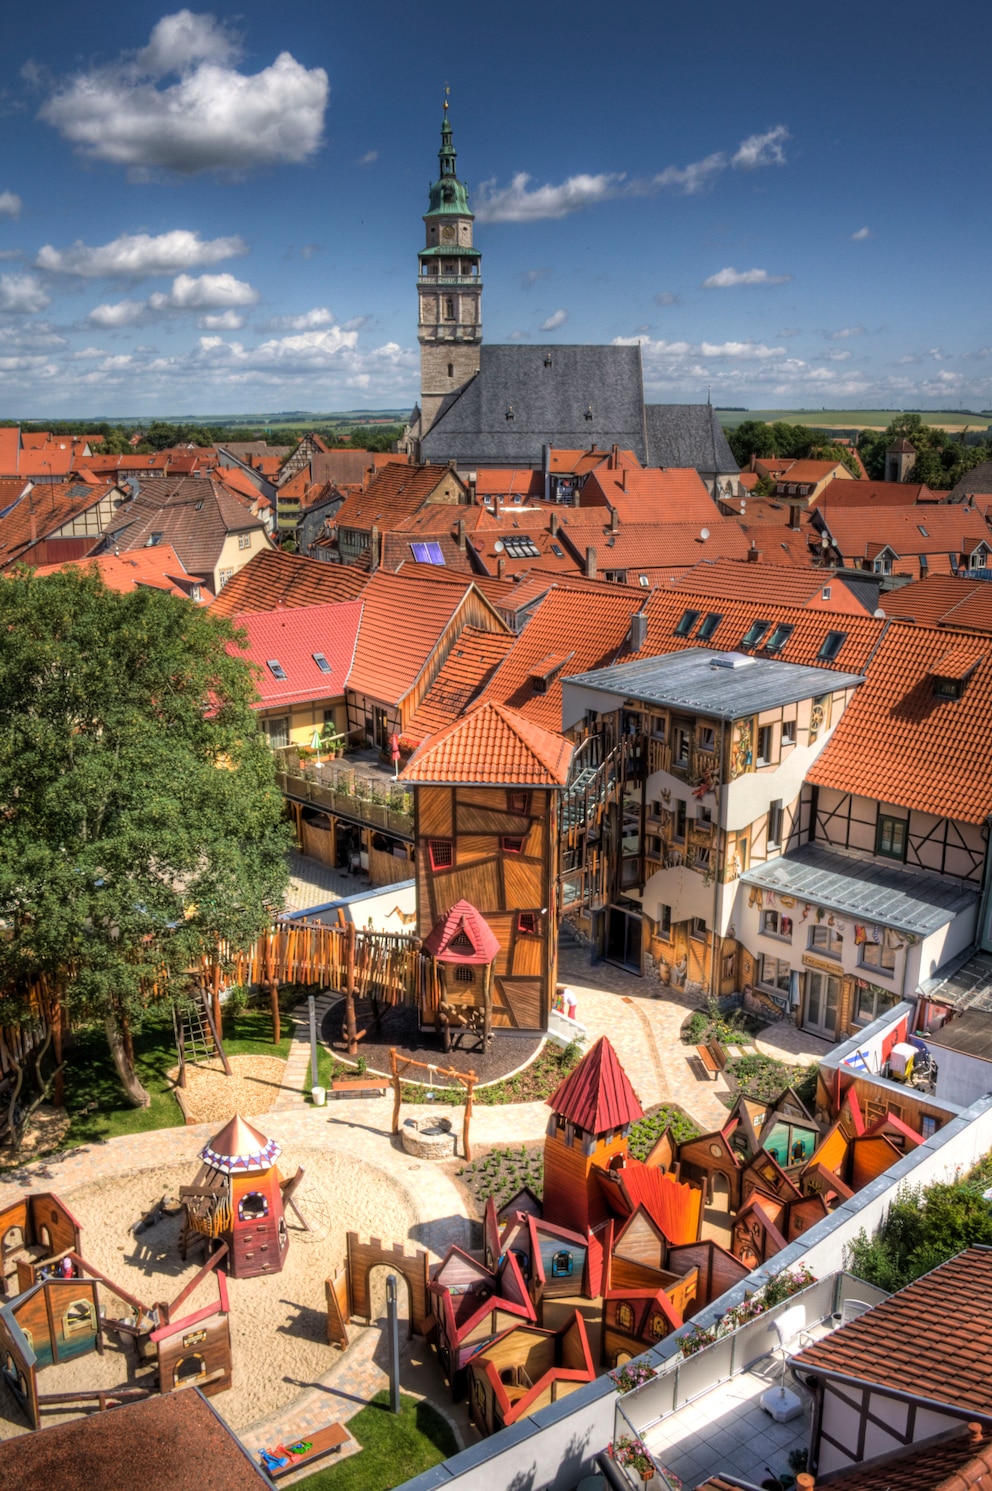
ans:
x=237 y=1198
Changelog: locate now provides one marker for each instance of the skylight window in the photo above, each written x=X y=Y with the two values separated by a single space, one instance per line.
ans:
x=322 y=662
x=779 y=637
x=686 y=622
x=709 y=626
x=276 y=668
x=832 y=644
x=521 y=547
x=754 y=633
x=644 y=581
x=427 y=553
x=155 y=539
x=923 y=530
x=558 y=553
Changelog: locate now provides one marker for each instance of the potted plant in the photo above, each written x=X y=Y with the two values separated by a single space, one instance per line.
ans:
x=632 y=1375
x=634 y=1456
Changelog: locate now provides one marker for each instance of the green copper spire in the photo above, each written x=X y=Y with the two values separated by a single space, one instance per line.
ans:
x=448 y=194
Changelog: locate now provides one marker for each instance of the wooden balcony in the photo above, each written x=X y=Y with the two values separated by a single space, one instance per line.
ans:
x=350 y=796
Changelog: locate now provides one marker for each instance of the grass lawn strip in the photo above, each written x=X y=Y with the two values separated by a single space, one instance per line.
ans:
x=395 y=1447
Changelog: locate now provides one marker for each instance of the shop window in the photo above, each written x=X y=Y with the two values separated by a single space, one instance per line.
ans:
x=442 y=853
x=890 y=837
x=253 y=1206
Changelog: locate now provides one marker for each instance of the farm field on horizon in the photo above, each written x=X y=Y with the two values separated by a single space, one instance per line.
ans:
x=860 y=419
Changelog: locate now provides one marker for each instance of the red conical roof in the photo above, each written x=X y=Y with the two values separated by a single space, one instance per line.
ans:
x=239 y=1149
x=597 y=1096
x=462 y=922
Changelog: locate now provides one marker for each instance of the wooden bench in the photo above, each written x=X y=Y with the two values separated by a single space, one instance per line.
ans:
x=353 y=1087
x=712 y=1058
x=321 y=1442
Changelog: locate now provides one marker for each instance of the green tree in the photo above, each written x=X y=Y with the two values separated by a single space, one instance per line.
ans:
x=140 y=817
x=751 y=437
x=924 y=1226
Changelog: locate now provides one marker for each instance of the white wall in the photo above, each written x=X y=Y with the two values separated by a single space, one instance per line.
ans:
x=375 y=904
x=960 y=1078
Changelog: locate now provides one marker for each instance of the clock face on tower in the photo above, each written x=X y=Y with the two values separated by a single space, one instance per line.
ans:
x=448 y=233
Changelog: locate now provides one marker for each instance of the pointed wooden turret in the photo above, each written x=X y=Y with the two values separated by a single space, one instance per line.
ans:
x=592 y=1111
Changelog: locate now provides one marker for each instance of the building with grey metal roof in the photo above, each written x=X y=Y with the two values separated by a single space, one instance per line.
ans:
x=689 y=435
x=890 y=895
x=724 y=685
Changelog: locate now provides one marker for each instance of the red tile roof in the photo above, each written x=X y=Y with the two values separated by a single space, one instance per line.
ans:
x=898 y=742
x=734 y=580
x=490 y=481
x=597 y=1095
x=158 y=568
x=806 y=473
x=643 y=546
x=402 y=623
x=935 y=529
x=291 y=637
x=465 y=920
x=942 y=600
x=873 y=494
x=465 y=672
x=492 y=745
x=193 y=514
x=932 y=1338
x=394 y=493
x=275 y=578
x=42 y=511
x=673 y=495
x=961 y=1461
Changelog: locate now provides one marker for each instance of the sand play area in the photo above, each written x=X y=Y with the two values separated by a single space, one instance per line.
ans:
x=278 y=1322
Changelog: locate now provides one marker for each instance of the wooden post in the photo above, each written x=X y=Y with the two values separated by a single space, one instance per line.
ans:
x=351 y=1029
x=276 y=1018
x=487 y=1005
x=57 y=1013
x=216 y=1001
x=396 y=1090
x=466 y=1141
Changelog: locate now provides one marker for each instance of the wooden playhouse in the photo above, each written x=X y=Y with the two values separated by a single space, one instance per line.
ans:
x=237 y=1198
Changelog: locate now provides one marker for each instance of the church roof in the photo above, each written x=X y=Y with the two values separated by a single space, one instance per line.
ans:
x=239 y=1149
x=463 y=924
x=525 y=397
x=687 y=435
x=597 y=1096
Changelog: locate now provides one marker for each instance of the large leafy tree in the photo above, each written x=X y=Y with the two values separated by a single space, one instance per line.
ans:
x=139 y=820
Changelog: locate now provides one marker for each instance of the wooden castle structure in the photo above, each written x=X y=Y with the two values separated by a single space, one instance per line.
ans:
x=493 y=847
x=35 y=1231
x=237 y=1198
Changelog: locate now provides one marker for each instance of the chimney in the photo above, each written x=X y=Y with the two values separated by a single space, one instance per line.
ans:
x=975 y=1433
x=373 y=551
x=614 y=520
x=623 y=479
x=553 y=524
x=751 y=467
x=590 y=564
x=545 y=459
x=638 y=631
x=500 y=568
x=614 y=457
x=753 y=553
x=794 y=522
x=495 y=504
x=461 y=534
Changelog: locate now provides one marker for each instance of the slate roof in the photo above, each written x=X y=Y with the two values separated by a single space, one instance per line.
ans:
x=274 y=578
x=175 y=1442
x=898 y=742
x=866 y=890
x=291 y=636
x=933 y=1338
x=550 y=390
x=688 y=435
x=492 y=745
x=692 y=680
x=597 y=1095
x=976 y=481
x=464 y=673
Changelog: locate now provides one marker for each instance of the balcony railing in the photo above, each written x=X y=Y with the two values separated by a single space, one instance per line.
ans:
x=347 y=794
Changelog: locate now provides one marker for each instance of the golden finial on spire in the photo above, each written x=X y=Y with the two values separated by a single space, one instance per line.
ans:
x=447 y=91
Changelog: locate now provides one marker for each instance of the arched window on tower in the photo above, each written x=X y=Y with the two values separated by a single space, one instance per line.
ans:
x=449 y=307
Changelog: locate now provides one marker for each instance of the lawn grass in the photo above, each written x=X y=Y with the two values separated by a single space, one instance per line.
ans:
x=91 y=1078
x=395 y=1447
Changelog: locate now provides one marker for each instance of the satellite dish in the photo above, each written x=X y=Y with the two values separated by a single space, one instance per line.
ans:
x=704 y=534
x=498 y=546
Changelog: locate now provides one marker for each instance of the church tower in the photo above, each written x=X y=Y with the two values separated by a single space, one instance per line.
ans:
x=449 y=288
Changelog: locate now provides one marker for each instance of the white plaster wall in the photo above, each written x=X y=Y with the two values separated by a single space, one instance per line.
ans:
x=375 y=904
x=960 y=1078
x=576 y=699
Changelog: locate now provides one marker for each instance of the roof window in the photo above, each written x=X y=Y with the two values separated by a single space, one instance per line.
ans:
x=923 y=530
x=559 y=553
x=686 y=623
x=427 y=553
x=709 y=626
x=154 y=540
x=322 y=662
x=832 y=644
x=276 y=668
x=521 y=547
x=643 y=580
x=779 y=637
x=754 y=633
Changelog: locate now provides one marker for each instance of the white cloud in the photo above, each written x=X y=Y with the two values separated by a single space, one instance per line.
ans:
x=845 y=332
x=119 y=313
x=205 y=291
x=138 y=255
x=726 y=279
x=212 y=117
x=741 y=351
x=22 y=294
x=224 y=321
x=839 y=356
x=521 y=203
x=532 y=277
x=556 y=319
x=369 y=158
x=788 y=331
x=10 y=204
x=861 y=234
x=666 y=297
x=308 y=320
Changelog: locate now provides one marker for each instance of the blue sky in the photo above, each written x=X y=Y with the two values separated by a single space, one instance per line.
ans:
x=219 y=212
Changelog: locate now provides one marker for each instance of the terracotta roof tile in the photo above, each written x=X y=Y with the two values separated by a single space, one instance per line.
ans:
x=734 y=580
x=932 y=1338
x=293 y=637
x=394 y=493
x=674 y=495
x=899 y=742
x=274 y=578
x=943 y=600
x=806 y=472
x=158 y=568
x=597 y=1095
x=194 y=514
x=492 y=745
x=931 y=530
x=671 y=546
x=465 y=671
x=873 y=494
x=39 y=512
x=959 y=1462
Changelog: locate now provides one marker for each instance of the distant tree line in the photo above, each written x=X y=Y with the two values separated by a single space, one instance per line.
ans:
x=942 y=458
x=161 y=435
